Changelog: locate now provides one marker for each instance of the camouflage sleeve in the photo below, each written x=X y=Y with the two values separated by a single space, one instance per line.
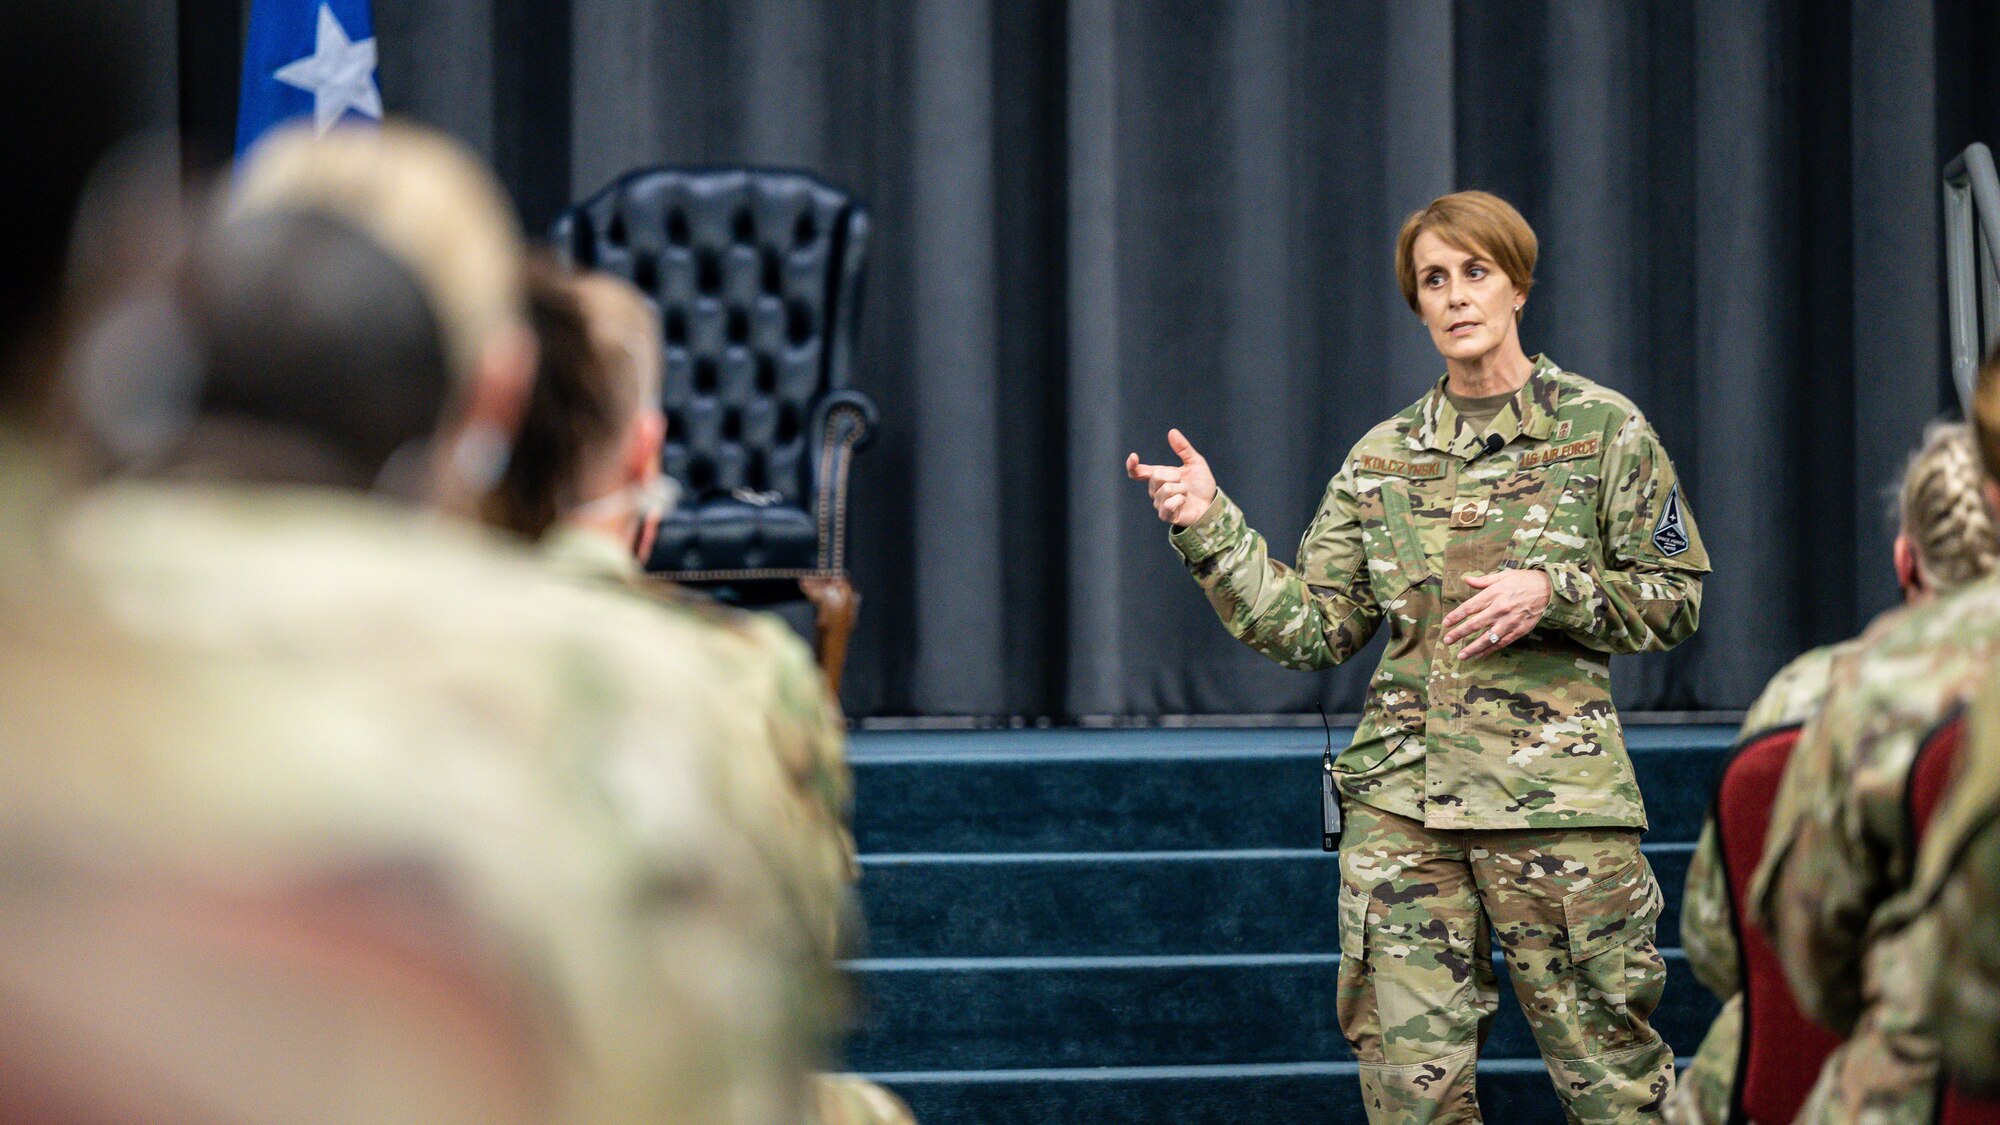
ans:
x=1815 y=890
x=1706 y=934
x=1967 y=990
x=1645 y=596
x=1311 y=617
x=810 y=734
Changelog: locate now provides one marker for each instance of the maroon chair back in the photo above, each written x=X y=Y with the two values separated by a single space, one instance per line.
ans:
x=1960 y=1108
x=1782 y=1050
x=1930 y=774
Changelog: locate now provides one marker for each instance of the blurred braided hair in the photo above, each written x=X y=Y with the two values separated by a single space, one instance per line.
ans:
x=1943 y=509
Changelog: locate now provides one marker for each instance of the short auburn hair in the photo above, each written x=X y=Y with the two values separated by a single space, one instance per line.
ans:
x=1477 y=222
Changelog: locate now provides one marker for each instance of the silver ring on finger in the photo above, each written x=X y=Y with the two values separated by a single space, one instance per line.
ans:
x=1493 y=638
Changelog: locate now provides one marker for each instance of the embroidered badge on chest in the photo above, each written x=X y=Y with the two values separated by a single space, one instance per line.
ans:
x=1561 y=432
x=1567 y=451
x=1670 y=531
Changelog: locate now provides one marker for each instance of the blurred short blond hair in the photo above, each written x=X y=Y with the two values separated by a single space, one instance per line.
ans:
x=424 y=198
x=625 y=330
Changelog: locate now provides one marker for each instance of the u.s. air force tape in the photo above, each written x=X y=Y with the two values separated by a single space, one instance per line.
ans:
x=1670 y=530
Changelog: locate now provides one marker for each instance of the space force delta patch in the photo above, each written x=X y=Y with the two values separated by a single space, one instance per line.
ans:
x=1670 y=533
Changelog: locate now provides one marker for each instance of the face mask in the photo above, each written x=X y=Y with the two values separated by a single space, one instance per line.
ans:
x=403 y=474
x=479 y=458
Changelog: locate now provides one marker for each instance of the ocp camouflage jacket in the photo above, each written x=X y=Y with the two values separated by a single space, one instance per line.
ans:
x=1569 y=479
x=1961 y=858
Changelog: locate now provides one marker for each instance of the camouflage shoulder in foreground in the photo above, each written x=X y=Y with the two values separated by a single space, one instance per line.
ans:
x=769 y=679
x=692 y=986
x=1961 y=860
x=849 y=1099
x=1966 y=990
x=1973 y=797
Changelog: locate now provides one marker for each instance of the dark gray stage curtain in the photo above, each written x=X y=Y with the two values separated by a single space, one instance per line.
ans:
x=1097 y=219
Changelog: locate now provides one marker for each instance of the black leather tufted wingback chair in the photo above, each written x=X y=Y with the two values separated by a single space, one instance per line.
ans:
x=757 y=275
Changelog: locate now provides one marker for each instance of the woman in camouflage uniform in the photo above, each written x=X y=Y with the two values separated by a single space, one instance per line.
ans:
x=1515 y=526
x=1945 y=540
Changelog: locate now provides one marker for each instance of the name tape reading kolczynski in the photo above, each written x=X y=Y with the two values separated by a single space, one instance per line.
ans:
x=1415 y=470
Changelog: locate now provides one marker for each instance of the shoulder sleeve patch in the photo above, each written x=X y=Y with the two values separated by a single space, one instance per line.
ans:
x=1670 y=530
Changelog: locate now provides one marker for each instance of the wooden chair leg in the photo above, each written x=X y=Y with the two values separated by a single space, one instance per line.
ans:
x=835 y=604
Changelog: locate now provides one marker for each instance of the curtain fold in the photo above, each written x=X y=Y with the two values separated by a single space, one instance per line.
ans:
x=1096 y=219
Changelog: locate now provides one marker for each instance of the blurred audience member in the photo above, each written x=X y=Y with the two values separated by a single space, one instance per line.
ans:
x=185 y=934
x=588 y=456
x=1945 y=539
x=75 y=698
x=586 y=480
x=1958 y=873
x=565 y=913
x=590 y=487
x=1835 y=891
x=1961 y=859
x=69 y=94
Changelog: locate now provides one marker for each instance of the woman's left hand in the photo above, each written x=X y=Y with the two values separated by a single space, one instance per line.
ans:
x=1509 y=604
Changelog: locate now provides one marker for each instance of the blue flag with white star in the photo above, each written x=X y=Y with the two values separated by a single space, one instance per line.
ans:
x=307 y=59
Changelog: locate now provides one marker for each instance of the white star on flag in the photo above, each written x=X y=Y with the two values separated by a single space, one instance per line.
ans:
x=339 y=74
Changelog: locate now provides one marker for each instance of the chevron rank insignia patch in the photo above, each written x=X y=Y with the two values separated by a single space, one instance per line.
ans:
x=1670 y=532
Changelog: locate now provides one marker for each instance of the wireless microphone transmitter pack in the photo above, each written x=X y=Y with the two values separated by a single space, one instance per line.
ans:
x=1329 y=799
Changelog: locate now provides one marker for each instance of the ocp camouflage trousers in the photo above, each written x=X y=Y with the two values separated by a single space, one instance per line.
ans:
x=1574 y=910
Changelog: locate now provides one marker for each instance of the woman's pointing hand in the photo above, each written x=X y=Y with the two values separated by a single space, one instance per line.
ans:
x=1181 y=494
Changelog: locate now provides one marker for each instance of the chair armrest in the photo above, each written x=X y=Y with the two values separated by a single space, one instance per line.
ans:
x=844 y=408
x=844 y=421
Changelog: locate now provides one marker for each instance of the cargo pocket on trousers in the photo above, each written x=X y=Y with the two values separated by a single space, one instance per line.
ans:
x=1354 y=997
x=1618 y=971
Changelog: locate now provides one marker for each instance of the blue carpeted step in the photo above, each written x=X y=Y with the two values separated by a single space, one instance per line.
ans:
x=1127 y=903
x=1154 y=790
x=1511 y=1092
x=1075 y=1012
